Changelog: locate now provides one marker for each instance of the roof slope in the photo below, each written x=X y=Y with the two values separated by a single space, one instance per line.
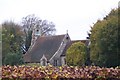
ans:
x=44 y=45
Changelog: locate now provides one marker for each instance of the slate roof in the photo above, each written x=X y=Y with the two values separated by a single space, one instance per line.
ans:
x=44 y=45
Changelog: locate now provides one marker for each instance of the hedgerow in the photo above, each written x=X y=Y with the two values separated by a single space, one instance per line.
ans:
x=59 y=73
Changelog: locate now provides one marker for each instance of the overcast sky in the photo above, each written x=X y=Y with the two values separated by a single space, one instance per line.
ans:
x=76 y=16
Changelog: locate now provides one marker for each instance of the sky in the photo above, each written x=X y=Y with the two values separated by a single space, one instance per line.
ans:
x=76 y=16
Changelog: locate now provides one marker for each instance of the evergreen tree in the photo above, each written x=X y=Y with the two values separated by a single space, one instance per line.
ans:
x=76 y=54
x=104 y=41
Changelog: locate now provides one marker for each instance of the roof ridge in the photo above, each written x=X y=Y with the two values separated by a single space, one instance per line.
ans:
x=53 y=35
x=49 y=36
x=80 y=40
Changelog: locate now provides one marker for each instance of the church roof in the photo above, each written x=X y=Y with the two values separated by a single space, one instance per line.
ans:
x=44 y=45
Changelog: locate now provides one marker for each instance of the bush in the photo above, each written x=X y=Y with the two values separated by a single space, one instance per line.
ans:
x=63 y=72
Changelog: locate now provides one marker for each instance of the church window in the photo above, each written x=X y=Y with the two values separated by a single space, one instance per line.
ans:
x=55 y=62
x=37 y=30
x=44 y=62
x=67 y=38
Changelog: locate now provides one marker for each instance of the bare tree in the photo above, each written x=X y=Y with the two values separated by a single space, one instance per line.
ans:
x=31 y=22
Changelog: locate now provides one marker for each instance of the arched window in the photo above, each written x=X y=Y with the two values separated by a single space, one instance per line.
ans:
x=37 y=32
x=55 y=62
x=67 y=37
x=44 y=62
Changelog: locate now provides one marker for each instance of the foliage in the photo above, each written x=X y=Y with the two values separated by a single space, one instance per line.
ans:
x=0 y=45
x=32 y=22
x=11 y=43
x=104 y=41
x=13 y=59
x=32 y=64
x=76 y=54
x=62 y=72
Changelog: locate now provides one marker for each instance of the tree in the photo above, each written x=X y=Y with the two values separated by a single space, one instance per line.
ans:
x=11 y=43
x=0 y=45
x=104 y=41
x=76 y=54
x=31 y=22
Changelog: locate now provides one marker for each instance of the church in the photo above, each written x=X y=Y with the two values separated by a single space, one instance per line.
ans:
x=48 y=49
